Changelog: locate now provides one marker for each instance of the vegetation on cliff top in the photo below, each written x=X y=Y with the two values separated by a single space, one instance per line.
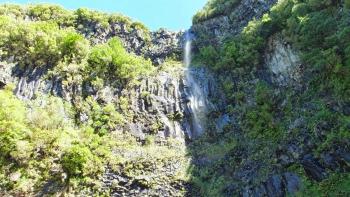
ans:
x=215 y=8
x=44 y=43
x=80 y=18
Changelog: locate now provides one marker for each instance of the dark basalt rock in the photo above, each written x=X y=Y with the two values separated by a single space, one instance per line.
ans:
x=313 y=168
x=2 y=85
x=329 y=161
x=231 y=190
x=292 y=183
x=274 y=186
x=259 y=191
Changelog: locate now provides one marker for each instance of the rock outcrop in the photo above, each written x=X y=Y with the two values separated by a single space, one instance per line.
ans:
x=163 y=105
x=283 y=62
x=213 y=31
x=156 y=46
x=160 y=104
x=281 y=67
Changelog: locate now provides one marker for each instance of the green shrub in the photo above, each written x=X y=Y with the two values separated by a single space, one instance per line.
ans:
x=29 y=47
x=214 y=8
x=209 y=55
x=47 y=12
x=87 y=17
x=103 y=119
x=77 y=161
x=112 y=61
x=12 y=10
x=118 y=18
x=13 y=126
x=347 y=4
x=53 y=114
x=74 y=47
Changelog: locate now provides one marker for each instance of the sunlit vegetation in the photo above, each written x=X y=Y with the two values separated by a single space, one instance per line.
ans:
x=40 y=144
x=111 y=60
x=43 y=43
x=82 y=19
x=44 y=142
x=215 y=8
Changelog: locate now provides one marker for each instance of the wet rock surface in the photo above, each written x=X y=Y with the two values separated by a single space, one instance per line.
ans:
x=163 y=103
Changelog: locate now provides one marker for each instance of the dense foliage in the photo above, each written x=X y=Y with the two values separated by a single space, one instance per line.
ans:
x=215 y=8
x=80 y=19
x=40 y=44
x=319 y=30
x=46 y=145
x=111 y=59
x=40 y=145
x=44 y=43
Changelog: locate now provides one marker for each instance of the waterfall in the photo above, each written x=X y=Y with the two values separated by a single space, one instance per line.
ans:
x=188 y=47
x=197 y=93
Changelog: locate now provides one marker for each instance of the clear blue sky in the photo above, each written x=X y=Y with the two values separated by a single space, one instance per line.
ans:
x=171 y=14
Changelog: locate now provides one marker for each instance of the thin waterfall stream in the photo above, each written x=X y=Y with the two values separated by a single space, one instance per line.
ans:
x=197 y=92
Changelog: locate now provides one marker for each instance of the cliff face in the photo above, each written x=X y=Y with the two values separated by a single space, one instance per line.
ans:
x=261 y=166
x=214 y=30
x=157 y=45
x=215 y=151
x=159 y=104
x=156 y=111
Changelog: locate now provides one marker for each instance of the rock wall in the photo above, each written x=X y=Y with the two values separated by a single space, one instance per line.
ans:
x=283 y=62
x=159 y=104
x=215 y=30
x=267 y=173
x=156 y=46
x=162 y=104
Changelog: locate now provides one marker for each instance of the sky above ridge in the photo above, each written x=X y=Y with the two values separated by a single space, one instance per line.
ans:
x=170 y=14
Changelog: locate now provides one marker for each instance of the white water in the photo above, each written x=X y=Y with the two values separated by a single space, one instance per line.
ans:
x=188 y=47
x=197 y=97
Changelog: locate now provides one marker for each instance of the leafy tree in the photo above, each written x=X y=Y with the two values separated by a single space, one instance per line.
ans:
x=77 y=161
x=53 y=13
x=103 y=119
x=88 y=17
x=32 y=44
x=112 y=60
x=74 y=47
x=12 y=10
x=209 y=55
x=13 y=126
